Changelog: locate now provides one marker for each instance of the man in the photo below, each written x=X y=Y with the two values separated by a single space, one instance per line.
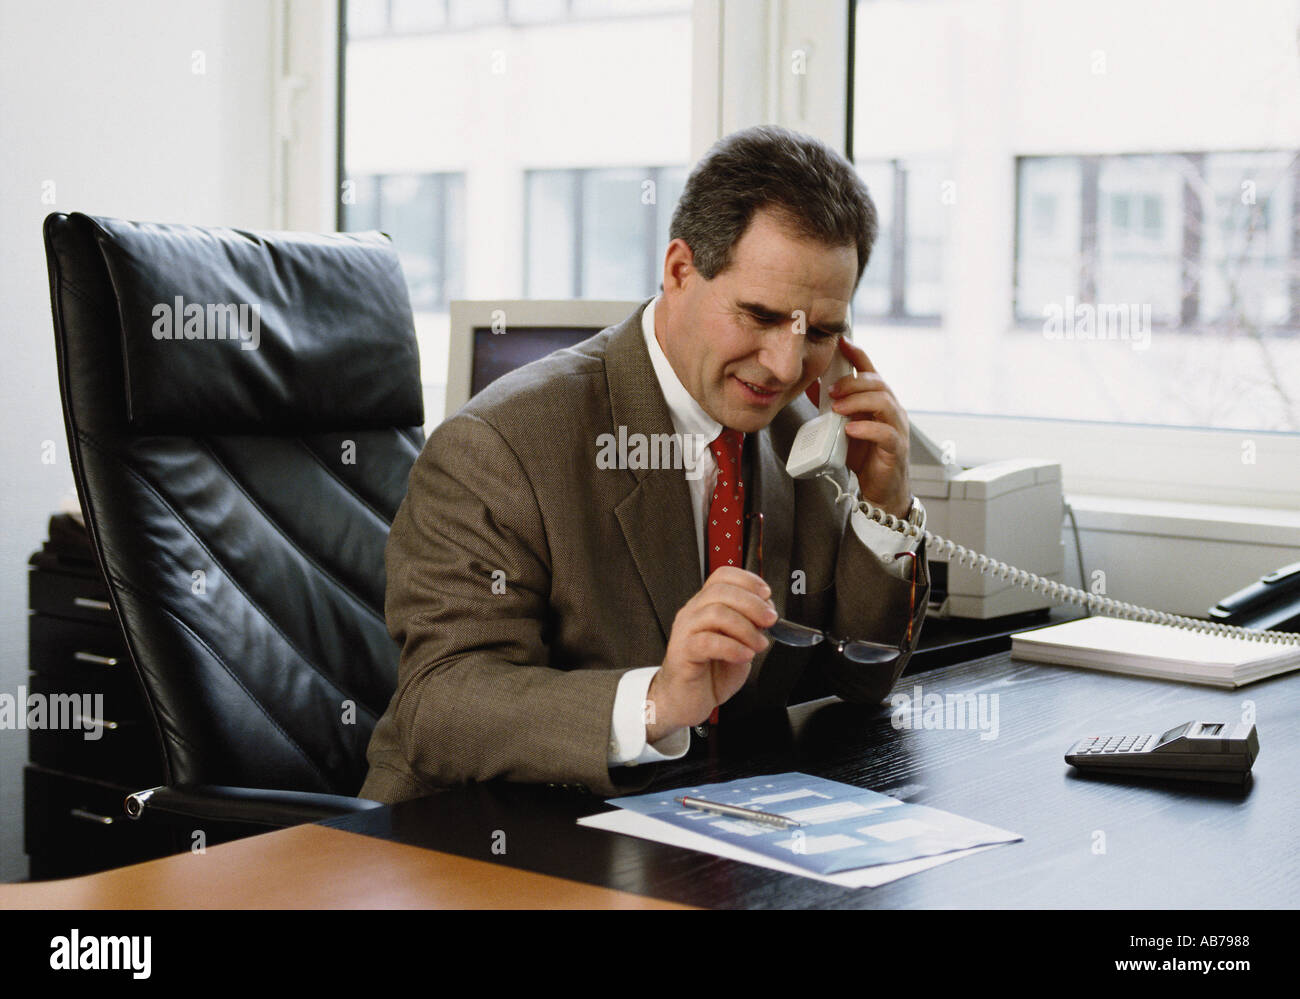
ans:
x=564 y=622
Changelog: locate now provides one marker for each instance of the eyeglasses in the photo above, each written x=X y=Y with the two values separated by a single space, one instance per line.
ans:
x=855 y=650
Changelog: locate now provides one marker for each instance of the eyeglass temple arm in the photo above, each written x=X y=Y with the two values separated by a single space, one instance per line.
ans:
x=911 y=609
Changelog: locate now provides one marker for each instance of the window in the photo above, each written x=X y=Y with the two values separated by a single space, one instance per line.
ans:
x=1202 y=240
x=1117 y=239
x=1250 y=249
x=394 y=17
x=425 y=217
x=598 y=233
x=1050 y=235
x=904 y=279
x=513 y=149
x=1086 y=152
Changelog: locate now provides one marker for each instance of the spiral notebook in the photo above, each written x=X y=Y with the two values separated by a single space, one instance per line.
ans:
x=1115 y=645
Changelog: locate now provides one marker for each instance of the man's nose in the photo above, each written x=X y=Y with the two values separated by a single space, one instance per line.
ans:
x=783 y=354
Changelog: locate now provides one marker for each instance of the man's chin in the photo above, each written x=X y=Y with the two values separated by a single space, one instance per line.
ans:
x=750 y=419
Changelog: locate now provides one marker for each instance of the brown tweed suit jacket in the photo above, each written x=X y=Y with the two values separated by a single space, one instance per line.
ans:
x=517 y=680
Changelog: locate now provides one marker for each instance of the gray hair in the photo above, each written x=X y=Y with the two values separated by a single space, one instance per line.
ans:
x=814 y=191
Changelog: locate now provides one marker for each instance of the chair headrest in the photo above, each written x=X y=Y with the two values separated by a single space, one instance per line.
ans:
x=230 y=331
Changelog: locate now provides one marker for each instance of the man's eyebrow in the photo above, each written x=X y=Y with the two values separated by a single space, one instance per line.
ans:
x=766 y=312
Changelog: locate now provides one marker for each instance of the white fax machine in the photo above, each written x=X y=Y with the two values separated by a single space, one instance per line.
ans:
x=1010 y=510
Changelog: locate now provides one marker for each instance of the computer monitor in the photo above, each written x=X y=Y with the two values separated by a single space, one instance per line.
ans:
x=490 y=338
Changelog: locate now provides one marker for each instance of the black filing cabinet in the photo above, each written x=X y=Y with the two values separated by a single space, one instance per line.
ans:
x=74 y=786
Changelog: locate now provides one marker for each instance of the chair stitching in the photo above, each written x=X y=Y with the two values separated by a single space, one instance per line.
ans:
x=77 y=292
x=141 y=595
x=343 y=482
x=89 y=441
x=377 y=615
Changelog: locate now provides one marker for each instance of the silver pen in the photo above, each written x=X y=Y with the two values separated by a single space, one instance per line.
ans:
x=753 y=815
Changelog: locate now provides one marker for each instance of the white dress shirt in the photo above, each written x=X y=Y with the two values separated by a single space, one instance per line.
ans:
x=627 y=745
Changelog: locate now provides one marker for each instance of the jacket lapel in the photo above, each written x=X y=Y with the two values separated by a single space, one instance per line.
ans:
x=655 y=515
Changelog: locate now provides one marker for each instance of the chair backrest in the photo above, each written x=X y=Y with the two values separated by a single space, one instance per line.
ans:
x=243 y=410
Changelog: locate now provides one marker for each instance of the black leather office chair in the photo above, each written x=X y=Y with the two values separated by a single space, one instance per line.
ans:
x=242 y=410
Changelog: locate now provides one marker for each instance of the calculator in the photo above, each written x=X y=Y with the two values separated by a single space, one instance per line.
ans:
x=1222 y=752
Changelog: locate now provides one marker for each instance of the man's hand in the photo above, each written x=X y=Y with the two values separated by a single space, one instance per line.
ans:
x=877 y=431
x=714 y=640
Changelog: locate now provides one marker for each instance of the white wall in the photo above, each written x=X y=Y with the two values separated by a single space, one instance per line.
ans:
x=101 y=99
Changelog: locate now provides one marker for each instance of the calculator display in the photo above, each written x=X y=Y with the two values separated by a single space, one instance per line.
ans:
x=1174 y=733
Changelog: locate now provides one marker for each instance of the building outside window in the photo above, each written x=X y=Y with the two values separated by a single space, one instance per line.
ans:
x=469 y=136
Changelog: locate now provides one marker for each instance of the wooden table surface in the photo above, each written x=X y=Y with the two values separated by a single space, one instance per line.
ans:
x=315 y=867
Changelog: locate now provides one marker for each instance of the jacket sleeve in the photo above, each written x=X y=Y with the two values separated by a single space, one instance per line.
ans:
x=871 y=603
x=468 y=600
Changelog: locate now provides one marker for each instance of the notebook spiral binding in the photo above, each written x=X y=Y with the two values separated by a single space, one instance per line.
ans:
x=1058 y=592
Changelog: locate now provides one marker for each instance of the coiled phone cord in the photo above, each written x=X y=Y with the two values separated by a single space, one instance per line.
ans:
x=1058 y=592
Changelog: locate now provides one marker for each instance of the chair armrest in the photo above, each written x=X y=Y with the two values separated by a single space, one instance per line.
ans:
x=254 y=806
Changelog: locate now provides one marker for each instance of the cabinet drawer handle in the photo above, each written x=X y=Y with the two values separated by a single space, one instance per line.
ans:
x=89 y=604
x=90 y=657
x=85 y=816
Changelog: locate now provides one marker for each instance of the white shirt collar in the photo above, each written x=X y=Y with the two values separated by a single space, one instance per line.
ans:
x=688 y=415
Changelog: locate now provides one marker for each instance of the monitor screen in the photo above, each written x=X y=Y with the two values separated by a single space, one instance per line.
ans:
x=528 y=331
x=497 y=354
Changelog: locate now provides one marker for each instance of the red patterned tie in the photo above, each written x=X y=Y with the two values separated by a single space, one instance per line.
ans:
x=726 y=509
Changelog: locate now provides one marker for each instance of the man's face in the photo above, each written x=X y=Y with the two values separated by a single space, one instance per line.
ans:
x=733 y=341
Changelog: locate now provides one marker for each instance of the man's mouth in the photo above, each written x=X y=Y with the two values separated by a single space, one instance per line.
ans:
x=757 y=393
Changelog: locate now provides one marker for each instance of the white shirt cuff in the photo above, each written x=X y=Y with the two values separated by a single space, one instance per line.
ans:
x=627 y=745
x=883 y=542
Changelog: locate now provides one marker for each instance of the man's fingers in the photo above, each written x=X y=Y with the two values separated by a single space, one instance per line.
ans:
x=877 y=433
x=858 y=382
x=727 y=620
x=742 y=578
x=757 y=608
x=866 y=400
x=856 y=355
x=709 y=646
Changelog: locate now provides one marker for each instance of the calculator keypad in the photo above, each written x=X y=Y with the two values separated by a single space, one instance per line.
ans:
x=1102 y=744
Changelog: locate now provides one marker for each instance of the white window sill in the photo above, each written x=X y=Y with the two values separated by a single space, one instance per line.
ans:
x=1175 y=556
x=1199 y=521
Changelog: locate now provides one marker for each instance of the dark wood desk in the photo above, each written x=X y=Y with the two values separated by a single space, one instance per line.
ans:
x=1088 y=843
x=946 y=641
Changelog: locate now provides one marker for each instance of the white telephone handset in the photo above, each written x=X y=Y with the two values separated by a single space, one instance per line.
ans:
x=821 y=442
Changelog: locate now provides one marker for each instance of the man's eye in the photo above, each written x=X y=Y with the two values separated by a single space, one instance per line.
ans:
x=818 y=335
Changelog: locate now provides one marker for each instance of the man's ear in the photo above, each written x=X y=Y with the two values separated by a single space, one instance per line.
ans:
x=679 y=262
